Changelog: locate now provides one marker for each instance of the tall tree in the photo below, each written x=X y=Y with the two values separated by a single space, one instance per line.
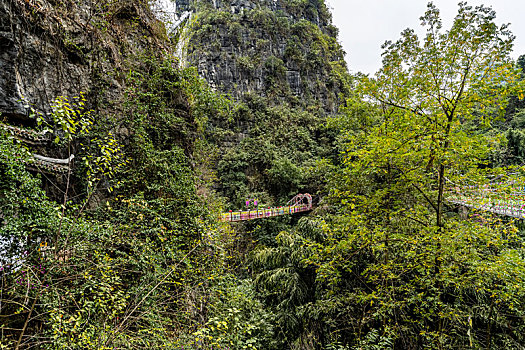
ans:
x=406 y=272
x=430 y=90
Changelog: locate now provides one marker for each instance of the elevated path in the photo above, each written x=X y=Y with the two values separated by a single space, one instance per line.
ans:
x=502 y=201
x=298 y=204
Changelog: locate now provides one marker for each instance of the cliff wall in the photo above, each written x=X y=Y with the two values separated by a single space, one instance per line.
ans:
x=284 y=50
x=50 y=48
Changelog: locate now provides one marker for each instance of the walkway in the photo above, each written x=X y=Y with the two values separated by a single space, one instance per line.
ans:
x=492 y=200
x=298 y=204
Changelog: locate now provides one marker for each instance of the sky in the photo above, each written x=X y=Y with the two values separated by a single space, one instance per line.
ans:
x=364 y=25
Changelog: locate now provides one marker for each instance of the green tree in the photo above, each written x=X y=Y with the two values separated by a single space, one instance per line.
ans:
x=285 y=280
x=429 y=90
x=396 y=262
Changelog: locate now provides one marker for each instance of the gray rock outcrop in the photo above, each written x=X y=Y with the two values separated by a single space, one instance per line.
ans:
x=273 y=48
x=49 y=50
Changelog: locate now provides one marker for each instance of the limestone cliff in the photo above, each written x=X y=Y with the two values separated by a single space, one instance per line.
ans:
x=50 y=48
x=281 y=63
x=284 y=50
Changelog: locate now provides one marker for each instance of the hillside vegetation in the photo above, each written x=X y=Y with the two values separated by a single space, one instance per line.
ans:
x=124 y=249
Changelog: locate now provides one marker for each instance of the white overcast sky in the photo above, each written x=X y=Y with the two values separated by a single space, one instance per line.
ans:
x=364 y=25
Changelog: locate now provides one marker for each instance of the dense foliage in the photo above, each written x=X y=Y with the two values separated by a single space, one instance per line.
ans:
x=125 y=251
x=393 y=265
x=135 y=259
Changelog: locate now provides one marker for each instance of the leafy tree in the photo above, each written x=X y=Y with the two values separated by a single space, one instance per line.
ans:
x=521 y=63
x=431 y=89
x=25 y=211
x=512 y=151
x=278 y=156
x=286 y=282
x=397 y=265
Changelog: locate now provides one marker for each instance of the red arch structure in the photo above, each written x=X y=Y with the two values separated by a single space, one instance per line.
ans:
x=298 y=204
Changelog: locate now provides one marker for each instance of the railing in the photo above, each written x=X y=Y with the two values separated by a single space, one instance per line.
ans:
x=513 y=205
x=26 y=134
x=263 y=213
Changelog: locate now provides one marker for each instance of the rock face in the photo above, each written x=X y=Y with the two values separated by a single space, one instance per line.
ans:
x=284 y=50
x=50 y=48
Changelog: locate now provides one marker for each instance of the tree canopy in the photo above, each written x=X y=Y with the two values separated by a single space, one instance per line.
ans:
x=408 y=269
